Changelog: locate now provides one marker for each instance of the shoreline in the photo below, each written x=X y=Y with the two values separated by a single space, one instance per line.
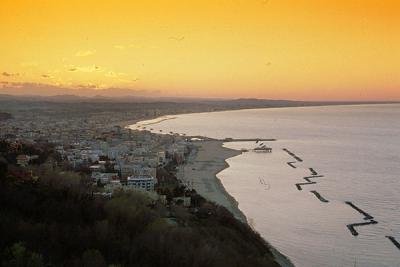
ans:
x=127 y=123
x=233 y=205
x=205 y=181
x=207 y=159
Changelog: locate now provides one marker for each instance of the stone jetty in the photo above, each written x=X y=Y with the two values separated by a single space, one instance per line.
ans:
x=299 y=185
x=318 y=195
x=394 y=241
x=292 y=154
x=313 y=172
x=307 y=178
x=291 y=164
x=366 y=215
x=353 y=230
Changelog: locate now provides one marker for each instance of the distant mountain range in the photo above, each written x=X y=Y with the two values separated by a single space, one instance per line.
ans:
x=47 y=90
x=139 y=98
x=52 y=93
x=218 y=104
x=100 y=98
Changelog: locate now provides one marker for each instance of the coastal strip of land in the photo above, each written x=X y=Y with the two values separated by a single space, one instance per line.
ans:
x=208 y=158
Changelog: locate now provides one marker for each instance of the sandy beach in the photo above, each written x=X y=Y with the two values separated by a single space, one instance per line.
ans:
x=206 y=160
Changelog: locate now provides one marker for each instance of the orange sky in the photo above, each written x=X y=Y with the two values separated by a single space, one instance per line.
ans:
x=298 y=49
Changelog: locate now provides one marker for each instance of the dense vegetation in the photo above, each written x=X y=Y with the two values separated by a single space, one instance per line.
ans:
x=50 y=218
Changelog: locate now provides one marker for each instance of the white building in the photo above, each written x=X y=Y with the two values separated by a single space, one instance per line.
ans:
x=143 y=182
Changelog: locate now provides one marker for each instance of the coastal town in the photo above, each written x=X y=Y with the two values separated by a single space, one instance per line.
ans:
x=67 y=165
x=93 y=138
x=114 y=157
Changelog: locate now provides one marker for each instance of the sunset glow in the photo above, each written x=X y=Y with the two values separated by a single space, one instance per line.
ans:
x=280 y=49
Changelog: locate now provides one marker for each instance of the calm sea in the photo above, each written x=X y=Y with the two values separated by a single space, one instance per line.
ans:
x=355 y=148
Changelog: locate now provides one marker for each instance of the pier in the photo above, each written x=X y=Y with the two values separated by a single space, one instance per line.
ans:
x=394 y=241
x=366 y=215
x=292 y=154
x=318 y=195
x=353 y=231
x=298 y=185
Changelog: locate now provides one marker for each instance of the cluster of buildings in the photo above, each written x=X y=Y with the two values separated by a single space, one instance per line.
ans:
x=115 y=157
